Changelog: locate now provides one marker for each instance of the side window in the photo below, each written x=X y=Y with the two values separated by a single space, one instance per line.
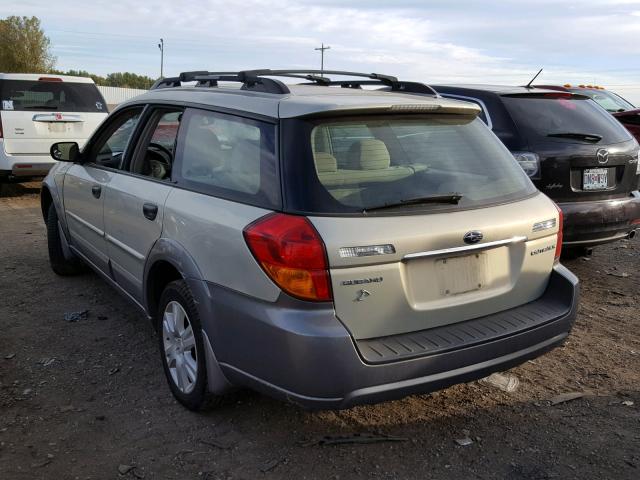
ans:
x=229 y=156
x=112 y=144
x=156 y=151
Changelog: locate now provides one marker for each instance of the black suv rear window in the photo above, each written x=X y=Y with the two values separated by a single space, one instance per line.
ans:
x=563 y=118
x=358 y=164
x=33 y=95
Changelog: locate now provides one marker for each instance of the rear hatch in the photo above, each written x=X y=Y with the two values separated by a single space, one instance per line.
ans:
x=37 y=113
x=427 y=219
x=584 y=153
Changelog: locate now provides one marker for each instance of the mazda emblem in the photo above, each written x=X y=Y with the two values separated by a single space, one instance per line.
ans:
x=602 y=155
x=474 y=236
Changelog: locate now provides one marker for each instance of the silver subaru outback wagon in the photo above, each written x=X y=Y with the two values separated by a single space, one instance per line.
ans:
x=323 y=243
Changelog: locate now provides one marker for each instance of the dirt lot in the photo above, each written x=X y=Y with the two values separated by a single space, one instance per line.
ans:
x=88 y=400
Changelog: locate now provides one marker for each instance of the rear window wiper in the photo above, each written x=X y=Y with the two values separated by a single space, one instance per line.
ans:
x=39 y=107
x=452 y=198
x=589 y=137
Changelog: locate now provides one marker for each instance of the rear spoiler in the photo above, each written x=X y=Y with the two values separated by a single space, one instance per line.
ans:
x=460 y=108
x=546 y=94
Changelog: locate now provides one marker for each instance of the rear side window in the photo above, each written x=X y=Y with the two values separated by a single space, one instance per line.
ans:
x=549 y=117
x=228 y=156
x=359 y=164
x=29 y=95
x=607 y=100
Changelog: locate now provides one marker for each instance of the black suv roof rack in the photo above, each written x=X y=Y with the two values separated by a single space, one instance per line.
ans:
x=258 y=80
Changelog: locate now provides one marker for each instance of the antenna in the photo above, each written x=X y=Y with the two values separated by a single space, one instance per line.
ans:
x=531 y=81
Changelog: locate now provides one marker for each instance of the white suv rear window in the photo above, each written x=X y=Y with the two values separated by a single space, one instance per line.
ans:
x=33 y=95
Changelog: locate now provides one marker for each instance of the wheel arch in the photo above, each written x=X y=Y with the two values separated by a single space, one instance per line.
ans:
x=46 y=200
x=169 y=261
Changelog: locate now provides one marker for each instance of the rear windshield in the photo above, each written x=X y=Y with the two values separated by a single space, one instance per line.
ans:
x=28 y=95
x=607 y=100
x=358 y=164
x=548 y=117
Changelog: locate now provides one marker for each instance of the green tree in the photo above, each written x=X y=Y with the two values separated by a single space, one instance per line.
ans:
x=24 y=48
x=129 y=80
x=97 y=79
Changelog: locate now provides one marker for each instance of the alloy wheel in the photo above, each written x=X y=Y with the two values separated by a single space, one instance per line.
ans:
x=180 y=350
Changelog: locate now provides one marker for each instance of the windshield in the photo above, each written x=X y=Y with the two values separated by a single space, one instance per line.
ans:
x=428 y=162
x=32 y=95
x=554 y=117
x=607 y=100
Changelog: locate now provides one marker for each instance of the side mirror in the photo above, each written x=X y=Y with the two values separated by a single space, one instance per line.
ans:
x=65 y=151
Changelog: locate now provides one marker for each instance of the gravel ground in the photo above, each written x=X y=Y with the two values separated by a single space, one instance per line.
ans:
x=88 y=399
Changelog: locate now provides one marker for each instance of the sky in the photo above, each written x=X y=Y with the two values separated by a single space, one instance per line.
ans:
x=433 y=41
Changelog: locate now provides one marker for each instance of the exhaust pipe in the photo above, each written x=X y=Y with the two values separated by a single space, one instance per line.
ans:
x=632 y=234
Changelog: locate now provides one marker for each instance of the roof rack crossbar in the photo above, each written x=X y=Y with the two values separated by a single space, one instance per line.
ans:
x=250 y=79
x=387 y=79
x=399 y=86
x=317 y=76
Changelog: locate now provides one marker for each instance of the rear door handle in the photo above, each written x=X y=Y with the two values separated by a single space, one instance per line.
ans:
x=150 y=210
x=96 y=191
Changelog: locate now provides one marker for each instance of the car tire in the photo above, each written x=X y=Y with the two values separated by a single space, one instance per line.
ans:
x=182 y=346
x=60 y=264
x=573 y=253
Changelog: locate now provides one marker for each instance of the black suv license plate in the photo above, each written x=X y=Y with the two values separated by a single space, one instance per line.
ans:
x=595 y=179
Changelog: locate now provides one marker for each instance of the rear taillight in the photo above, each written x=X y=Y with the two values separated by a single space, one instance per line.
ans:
x=560 y=227
x=529 y=162
x=292 y=254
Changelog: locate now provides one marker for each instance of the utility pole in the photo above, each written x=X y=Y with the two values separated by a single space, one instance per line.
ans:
x=161 y=47
x=322 y=49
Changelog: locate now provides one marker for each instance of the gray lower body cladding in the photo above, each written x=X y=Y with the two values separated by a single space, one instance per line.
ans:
x=300 y=352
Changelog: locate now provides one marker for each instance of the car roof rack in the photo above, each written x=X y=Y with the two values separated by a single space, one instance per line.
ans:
x=317 y=77
x=258 y=80
x=249 y=80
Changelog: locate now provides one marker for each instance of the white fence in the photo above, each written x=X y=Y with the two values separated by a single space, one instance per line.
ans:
x=115 y=95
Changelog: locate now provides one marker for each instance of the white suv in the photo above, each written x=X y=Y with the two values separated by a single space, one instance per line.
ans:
x=38 y=110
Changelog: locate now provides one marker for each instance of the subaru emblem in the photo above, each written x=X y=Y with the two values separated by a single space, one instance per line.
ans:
x=474 y=236
x=602 y=155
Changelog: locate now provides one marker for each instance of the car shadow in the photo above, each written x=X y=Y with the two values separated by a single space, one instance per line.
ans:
x=19 y=189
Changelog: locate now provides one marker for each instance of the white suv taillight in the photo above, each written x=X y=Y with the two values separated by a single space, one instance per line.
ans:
x=530 y=163
x=559 y=240
x=292 y=254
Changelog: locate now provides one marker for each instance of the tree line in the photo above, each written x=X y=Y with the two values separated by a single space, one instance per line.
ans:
x=24 y=48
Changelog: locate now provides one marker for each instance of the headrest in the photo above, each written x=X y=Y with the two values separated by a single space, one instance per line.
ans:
x=325 y=162
x=369 y=154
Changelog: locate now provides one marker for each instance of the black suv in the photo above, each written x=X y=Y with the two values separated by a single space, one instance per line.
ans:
x=573 y=150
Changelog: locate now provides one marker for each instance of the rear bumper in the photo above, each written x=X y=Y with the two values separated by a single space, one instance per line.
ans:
x=300 y=352
x=22 y=166
x=588 y=224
